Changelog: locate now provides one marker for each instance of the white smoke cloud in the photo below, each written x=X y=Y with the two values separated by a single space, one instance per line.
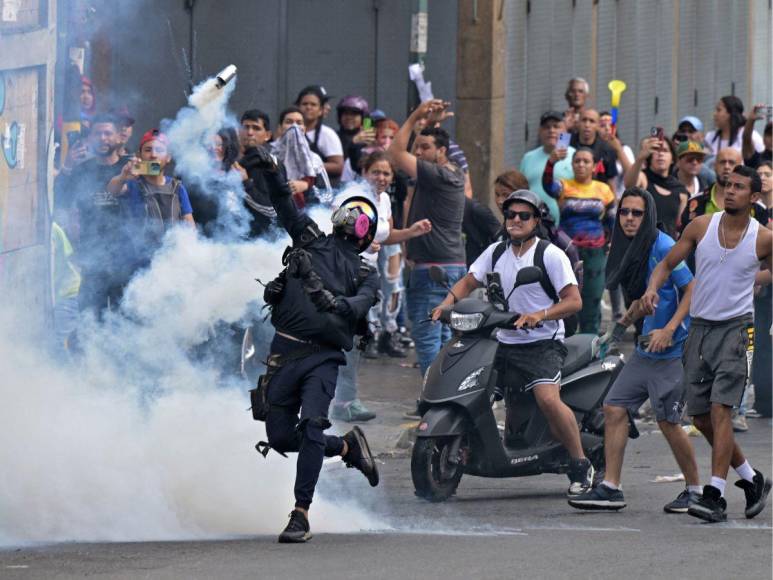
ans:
x=136 y=439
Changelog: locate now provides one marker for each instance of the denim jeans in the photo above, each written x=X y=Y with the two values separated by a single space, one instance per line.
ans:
x=422 y=296
x=391 y=289
x=594 y=262
x=346 y=385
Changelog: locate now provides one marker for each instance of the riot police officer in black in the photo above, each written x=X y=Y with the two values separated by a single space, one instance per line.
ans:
x=318 y=303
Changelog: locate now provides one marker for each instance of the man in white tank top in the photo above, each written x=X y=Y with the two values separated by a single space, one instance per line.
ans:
x=729 y=247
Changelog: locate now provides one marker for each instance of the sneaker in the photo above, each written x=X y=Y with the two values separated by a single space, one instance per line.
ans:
x=600 y=497
x=371 y=350
x=354 y=412
x=580 y=475
x=388 y=345
x=710 y=507
x=413 y=413
x=682 y=502
x=739 y=424
x=359 y=456
x=404 y=339
x=756 y=492
x=297 y=530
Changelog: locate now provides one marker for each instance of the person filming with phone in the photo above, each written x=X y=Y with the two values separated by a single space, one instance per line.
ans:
x=152 y=199
x=530 y=355
x=651 y=170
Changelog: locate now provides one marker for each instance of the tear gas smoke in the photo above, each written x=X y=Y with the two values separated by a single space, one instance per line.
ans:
x=191 y=135
x=136 y=439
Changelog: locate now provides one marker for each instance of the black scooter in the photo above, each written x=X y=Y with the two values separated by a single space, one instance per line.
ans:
x=458 y=432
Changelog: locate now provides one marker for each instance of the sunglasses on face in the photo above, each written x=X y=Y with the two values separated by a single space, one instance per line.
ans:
x=524 y=216
x=625 y=211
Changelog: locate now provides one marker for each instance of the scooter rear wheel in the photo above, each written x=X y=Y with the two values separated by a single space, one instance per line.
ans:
x=435 y=478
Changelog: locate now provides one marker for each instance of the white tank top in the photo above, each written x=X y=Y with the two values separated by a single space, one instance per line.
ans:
x=724 y=289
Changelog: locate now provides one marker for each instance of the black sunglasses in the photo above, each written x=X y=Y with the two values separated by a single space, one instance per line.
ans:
x=524 y=216
x=624 y=211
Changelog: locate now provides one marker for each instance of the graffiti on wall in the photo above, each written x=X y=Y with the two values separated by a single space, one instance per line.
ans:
x=11 y=134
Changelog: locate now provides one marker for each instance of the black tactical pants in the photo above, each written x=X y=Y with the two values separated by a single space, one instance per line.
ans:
x=307 y=385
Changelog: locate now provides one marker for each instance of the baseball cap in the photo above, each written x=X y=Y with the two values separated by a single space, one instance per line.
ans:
x=691 y=147
x=550 y=115
x=694 y=121
x=154 y=135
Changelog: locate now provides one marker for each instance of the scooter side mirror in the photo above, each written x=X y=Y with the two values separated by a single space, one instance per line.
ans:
x=438 y=275
x=528 y=275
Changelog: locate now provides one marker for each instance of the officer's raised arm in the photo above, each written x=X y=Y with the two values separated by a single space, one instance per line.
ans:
x=275 y=176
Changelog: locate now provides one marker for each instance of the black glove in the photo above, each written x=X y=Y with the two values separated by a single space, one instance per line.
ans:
x=299 y=264
x=257 y=158
x=323 y=299
x=342 y=307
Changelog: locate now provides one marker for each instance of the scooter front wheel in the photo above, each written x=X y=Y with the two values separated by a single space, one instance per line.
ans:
x=434 y=472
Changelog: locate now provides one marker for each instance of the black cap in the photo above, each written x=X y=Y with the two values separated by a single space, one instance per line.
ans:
x=555 y=115
x=318 y=90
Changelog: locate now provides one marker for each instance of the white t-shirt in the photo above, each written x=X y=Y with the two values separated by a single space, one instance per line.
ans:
x=531 y=297
x=715 y=146
x=329 y=144
x=384 y=207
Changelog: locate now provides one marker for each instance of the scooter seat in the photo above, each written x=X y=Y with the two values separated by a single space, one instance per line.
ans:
x=580 y=347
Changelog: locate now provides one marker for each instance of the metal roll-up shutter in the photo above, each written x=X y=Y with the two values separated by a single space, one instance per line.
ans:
x=516 y=79
x=761 y=27
x=606 y=52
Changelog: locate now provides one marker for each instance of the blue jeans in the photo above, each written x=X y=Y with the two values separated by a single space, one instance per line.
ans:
x=422 y=296
x=346 y=385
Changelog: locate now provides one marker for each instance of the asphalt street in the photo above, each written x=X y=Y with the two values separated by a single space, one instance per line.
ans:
x=500 y=528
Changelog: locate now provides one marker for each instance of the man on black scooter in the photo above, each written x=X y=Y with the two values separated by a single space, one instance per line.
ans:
x=531 y=355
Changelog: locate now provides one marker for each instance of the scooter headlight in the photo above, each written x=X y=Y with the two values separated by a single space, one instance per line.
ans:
x=466 y=322
x=471 y=380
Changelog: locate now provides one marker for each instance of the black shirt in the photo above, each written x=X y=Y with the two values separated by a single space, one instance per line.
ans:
x=666 y=204
x=481 y=228
x=606 y=158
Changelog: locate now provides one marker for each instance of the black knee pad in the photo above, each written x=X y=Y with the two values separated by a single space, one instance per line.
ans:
x=281 y=430
x=313 y=429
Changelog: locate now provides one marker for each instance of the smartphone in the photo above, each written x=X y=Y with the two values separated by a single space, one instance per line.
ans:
x=563 y=141
x=367 y=123
x=644 y=341
x=657 y=132
x=73 y=138
x=148 y=168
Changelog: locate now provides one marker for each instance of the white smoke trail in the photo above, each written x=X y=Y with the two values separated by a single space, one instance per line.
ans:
x=136 y=441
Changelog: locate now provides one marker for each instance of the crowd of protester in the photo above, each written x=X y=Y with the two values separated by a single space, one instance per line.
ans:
x=115 y=198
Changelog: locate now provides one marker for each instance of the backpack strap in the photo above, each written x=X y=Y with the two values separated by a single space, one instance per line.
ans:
x=539 y=261
x=497 y=253
x=177 y=210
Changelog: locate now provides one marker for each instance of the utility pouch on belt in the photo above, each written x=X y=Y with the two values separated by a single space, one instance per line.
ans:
x=259 y=395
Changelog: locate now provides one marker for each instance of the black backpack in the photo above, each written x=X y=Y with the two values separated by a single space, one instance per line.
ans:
x=539 y=261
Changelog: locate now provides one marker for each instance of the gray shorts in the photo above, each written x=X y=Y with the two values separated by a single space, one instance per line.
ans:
x=660 y=380
x=716 y=364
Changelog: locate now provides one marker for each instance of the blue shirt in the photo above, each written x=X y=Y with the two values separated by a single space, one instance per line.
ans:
x=669 y=300
x=533 y=166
